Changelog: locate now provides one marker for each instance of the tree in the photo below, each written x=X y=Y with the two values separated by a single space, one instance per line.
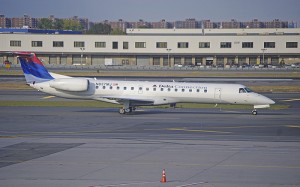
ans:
x=143 y=27
x=58 y=24
x=117 y=32
x=100 y=28
x=71 y=25
x=45 y=23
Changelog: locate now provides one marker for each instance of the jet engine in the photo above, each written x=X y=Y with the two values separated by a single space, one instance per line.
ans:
x=70 y=84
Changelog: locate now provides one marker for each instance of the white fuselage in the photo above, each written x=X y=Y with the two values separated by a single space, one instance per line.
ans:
x=157 y=93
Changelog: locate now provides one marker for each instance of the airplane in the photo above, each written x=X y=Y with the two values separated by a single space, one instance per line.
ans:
x=132 y=94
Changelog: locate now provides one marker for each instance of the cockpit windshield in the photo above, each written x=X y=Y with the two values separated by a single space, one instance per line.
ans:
x=248 y=90
x=245 y=90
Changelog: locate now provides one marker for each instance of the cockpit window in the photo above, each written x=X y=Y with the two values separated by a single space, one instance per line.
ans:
x=248 y=90
x=242 y=90
x=245 y=90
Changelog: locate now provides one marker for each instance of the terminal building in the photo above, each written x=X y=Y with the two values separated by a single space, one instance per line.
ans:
x=160 y=47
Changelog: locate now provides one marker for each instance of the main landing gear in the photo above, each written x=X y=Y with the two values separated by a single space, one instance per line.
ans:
x=126 y=110
x=254 y=112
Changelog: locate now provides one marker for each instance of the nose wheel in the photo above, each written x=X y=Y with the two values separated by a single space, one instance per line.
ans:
x=254 y=112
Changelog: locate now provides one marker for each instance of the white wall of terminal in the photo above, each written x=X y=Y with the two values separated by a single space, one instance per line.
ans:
x=171 y=36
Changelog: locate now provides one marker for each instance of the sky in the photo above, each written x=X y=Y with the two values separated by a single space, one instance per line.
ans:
x=156 y=10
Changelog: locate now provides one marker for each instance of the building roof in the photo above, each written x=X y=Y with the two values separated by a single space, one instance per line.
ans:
x=37 y=31
x=219 y=32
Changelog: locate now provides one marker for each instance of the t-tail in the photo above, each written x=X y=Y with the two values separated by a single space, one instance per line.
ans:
x=33 y=69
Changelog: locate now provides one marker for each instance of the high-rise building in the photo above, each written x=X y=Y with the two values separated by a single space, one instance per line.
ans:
x=207 y=24
x=140 y=24
x=276 y=23
x=120 y=24
x=162 y=24
x=233 y=24
x=4 y=22
x=188 y=24
x=25 y=21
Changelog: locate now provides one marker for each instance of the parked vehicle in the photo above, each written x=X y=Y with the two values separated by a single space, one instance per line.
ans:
x=296 y=65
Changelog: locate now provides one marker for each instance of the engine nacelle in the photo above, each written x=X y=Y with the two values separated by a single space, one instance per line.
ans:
x=70 y=84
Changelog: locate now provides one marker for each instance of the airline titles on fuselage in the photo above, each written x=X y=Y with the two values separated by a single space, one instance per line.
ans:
x=179 y=86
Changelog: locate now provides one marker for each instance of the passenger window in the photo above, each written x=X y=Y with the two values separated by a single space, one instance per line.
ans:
x=125 y=88
x=97 y=87
x=176 y=90
x=147 y=89
x=103 y=87
x=118 y=88
x=182 y=90
x=198 y=90
x=190 y=90
x=132 y=88
x=110 y=87
x=154 y=89
x=169 y=89
x=140 y=88
x=161 y=89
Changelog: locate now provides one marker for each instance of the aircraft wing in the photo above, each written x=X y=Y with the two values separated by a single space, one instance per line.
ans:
x=133 y=100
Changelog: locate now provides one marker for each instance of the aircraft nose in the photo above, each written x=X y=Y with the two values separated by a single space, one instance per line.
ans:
x=271 y=102
x=268 y=100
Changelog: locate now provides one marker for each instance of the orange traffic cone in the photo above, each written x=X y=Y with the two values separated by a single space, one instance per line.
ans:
x=163 y=178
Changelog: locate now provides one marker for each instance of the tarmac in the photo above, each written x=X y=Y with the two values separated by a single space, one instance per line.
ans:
x=98 y=147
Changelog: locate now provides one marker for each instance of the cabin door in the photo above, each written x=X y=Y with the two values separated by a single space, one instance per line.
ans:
x=218 y=92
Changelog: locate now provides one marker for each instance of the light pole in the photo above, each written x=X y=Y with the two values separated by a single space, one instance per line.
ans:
x=263 y=51
x=82 y=49
x=169 y=56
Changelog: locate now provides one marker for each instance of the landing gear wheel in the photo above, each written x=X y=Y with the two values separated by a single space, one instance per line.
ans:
x=254 y=112
x=122 y=111
x=128 y=110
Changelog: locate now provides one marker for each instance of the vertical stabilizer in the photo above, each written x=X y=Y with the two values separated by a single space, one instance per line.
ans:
x=33 y=68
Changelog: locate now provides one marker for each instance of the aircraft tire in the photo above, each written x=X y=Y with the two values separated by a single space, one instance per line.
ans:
x=122 y=111
x=254 y=112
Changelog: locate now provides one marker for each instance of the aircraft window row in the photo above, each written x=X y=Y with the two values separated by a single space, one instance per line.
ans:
x=241 y=90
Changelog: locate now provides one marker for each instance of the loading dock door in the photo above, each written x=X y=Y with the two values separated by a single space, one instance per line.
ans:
x=142 y=60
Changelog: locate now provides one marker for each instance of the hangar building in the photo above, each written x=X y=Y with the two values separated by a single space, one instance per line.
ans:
x=160 y=47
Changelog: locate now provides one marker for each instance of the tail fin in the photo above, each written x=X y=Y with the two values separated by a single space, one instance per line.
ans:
x=33 y=68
